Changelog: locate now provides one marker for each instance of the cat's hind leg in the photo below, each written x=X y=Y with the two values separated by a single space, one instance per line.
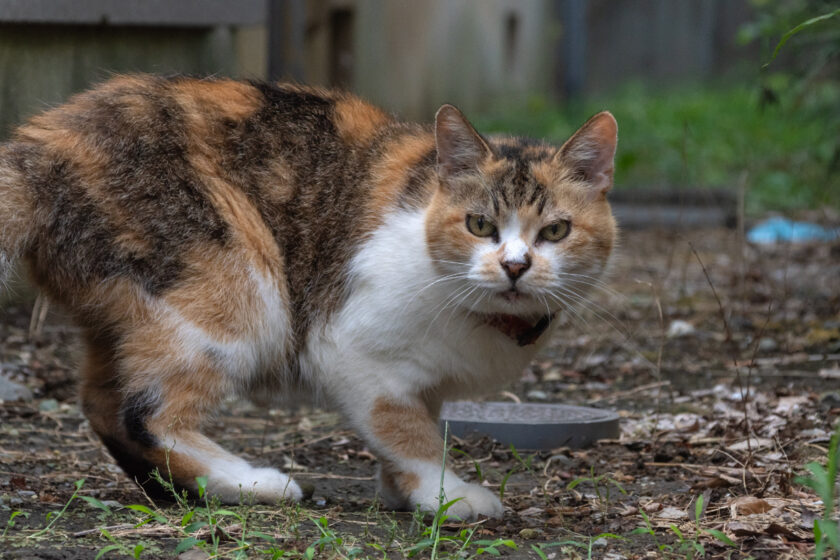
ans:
x=148 y=405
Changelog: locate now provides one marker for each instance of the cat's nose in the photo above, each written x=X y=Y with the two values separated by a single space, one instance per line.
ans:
x=517 y=268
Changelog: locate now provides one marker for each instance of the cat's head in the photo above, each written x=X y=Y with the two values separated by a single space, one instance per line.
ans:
x=522 y=227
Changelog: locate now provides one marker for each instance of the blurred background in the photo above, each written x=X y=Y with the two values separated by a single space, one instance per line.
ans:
x=699 y=112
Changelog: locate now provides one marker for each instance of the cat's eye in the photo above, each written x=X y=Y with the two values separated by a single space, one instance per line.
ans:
x=556 y=231
x=480 y=226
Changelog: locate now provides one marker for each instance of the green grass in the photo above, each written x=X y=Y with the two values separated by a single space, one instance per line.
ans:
x=707 y=137
x=823 y=481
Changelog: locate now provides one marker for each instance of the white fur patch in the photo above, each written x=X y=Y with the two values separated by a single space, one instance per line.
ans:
x=404 y=328
x=472 y=499
x=233 y=480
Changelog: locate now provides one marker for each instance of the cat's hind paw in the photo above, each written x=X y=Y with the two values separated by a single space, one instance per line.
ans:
x=252 y=484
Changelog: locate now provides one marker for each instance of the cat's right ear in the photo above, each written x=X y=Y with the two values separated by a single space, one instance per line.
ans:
x=460 y=148
x=590 y=152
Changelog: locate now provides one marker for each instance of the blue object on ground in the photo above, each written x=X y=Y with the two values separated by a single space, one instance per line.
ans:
x=776 y=230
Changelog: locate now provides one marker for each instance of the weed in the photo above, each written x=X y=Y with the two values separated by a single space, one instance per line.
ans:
x=479 y=474
x=53 y=517
x=719 y=535
x=687 y=546
x=584 y=543
x=648 y=530
x=11 y=522
x=602 y=484
x=331 y=541
x=117 y=546
x=822 y=480
x=522 y=464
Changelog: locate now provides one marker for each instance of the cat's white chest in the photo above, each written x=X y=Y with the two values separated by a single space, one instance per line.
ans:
x=401 y=325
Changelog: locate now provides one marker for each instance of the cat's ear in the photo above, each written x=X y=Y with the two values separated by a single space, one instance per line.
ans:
x=459 y=147
x=590 y=152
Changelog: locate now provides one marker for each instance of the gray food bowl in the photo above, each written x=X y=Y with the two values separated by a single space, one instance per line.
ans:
x=531 y=425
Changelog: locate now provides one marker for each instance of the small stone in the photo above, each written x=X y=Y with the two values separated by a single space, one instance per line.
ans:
x=537 y=395
x=831 y=400
x=15 y=501
x=48 y=405
x=600 y=542
x=112 y=504
x=767 y=344
x=552 y=375
x=530 y=534
x=11 y=391
x=680 y=328
x=596 y=386
x=27 y=494
x=193 y=554
x=671 y=513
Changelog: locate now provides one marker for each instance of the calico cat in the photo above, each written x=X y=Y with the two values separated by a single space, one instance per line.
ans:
x=217 y=238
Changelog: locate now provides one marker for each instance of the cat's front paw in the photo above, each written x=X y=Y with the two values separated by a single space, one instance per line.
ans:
x=472 y=501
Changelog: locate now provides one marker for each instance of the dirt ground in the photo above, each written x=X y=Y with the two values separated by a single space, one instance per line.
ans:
x=726 y=375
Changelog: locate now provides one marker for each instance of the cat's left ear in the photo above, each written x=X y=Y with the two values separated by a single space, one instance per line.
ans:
x=590 y=152
x=460 y=147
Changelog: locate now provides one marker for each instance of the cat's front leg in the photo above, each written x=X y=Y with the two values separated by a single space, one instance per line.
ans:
x=406 y=437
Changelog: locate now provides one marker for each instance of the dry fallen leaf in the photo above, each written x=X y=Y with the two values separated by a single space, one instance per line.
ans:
x=753 y=443
x=672 y=513
x=789 y=405
x=713 y=482
x=748 y=505
x=830 y=373
x=532 y=511
x=651 y=507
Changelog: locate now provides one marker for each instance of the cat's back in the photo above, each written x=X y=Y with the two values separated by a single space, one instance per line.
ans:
x=188 y=190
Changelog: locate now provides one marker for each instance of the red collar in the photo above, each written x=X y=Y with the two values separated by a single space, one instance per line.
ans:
x=517 y=328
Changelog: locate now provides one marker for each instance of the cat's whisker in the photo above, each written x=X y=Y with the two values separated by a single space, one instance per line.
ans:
x=449 y=277
x=627 y=341
x=444 y=306
x=451 y=262
x=457 y=304
x=585 y=305
x=570 y=307
x=590 y=281
x=611 y=318
x=547 y=307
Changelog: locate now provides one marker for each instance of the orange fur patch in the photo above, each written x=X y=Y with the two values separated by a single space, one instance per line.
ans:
x=396 y=481
x=446 y=234
x=390 y=173
x=230 y=99
x=205 y=298
x=406 y=430
x=356 y=121
x=100 y=396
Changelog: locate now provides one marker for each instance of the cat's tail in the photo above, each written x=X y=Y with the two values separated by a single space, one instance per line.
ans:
x=16 y=211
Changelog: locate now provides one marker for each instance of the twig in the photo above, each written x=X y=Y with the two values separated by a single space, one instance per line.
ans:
x=639 y=389
x=99 y=529
x=733 y=349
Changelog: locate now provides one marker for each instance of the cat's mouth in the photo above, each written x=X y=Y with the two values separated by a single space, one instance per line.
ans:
x=524 y=332
x=512 y=295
